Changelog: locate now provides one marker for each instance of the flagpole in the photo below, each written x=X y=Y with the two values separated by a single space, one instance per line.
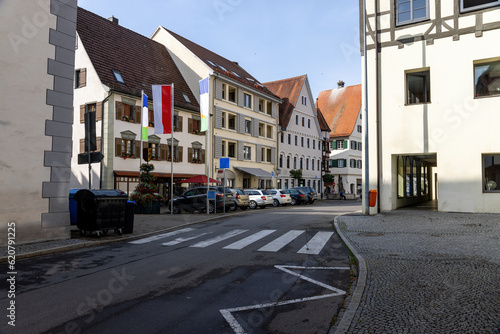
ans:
x=172 y=150
x=141 y=154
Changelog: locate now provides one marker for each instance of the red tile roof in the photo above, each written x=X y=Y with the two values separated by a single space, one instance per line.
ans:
x=289 y=91
x=340 y=108
x=322 y=122
x=141 y=61
x=221 y=65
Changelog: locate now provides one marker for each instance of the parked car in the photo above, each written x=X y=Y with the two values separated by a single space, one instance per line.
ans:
x=259 y=198
x=311 y=194
x=240 y=198
x=196 y=199
x=298 y=196
x=280 y=197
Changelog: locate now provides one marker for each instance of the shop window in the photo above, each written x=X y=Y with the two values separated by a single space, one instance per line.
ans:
x=487 y=78
x=418 y=87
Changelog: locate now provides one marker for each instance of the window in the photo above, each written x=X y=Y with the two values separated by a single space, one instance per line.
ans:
x=491 y=172
x=303 y=121
x=359 y=129
x=282 y=138
x=319 y=164
x=359 y=147
x=314 y=144
x=308 y=143
x=359 y=164
x=296 y=141
x=353 y=145
x=224 y=93
x=301 y=163
x=352 y=163
x=223 y=119
x=312 y=164
x=341 y=163
x=80 y=78
x=186 y=98
x=261 y=105
x=470 y=5
x=309 y=123
x=247 y=152
x=248 y=126
x=302 y=141
x=194 y=125
x=196 y=155
x=409 y=11
x=266 y=154
x=231 y=122
x=231 y=150
x=223 y=149
x=297 y=119
x=281 y=161
x=128 y=148
x=228 y=93
x=307 y=164
x=487 y=78
x=294 y=162
x=269 y=131
x=118 y=76
x=288 y=162
x=261 y=129
x=418 y=87
x=247 y=100
x=269 y=108
x=289 y=139
x=304 y=100
x=177 y=122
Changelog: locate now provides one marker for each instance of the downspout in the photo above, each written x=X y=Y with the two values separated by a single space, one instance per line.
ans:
x=366 y=188
x=377 y=69
x=102 y=133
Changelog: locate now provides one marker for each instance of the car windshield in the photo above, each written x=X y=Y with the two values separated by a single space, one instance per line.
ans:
x=264 y=192
x=239 y=191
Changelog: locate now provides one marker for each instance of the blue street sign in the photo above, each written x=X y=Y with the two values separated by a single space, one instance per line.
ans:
x=224 y=163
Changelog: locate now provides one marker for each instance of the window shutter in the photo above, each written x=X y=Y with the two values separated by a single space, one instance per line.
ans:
x=180 y=154
x=163 y=151
x=190 y=154
x=137 y=149
x=218 y=147
x=334 y=144
x=151 y=116
x=190 y=125
x=218 y=118
x=119 y=110
x=202 y=156
x=258 y=154
x=335 y=163
x=137 y=116
x=118 y=147
x=82 y=113
x=240 y=154
x=180 y=123
x=345 y=145
x=82 y=145
x=345 y=162
x=98 y=111
x=273 y=155
x=98 y=144
x=83 y=77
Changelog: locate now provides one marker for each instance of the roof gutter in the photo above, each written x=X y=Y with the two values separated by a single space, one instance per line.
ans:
x=238 y=83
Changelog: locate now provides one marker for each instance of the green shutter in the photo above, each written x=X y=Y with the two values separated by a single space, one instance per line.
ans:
x=345 y=145
x=335 y=163
x=345 y=162
x=334 y=144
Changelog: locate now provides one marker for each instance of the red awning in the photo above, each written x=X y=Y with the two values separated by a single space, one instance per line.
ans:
x=198 y=179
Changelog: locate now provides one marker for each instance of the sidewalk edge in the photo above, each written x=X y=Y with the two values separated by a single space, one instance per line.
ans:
x=348 y=316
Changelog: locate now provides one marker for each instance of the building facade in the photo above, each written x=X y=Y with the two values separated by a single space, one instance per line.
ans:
x=300 y=136
x=38 y=46
x=433 y=76
x=243 y=122
x=113 y=65
x=341 y=108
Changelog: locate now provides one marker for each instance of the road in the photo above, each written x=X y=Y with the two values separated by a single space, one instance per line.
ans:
x=279 y=270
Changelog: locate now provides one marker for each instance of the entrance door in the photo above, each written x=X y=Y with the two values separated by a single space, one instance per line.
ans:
x=246 y=183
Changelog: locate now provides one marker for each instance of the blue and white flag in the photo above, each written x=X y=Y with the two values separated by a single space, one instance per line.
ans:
x=204 y=104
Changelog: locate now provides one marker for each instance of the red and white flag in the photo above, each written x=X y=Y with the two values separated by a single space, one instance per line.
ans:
x=162 y=105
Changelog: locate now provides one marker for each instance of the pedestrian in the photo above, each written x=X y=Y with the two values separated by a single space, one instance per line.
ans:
x=342 y=195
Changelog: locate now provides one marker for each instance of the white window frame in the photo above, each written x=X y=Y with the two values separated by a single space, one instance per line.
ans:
x=247 y=100
x=247 y=153
x=411 y=20
x=470 y=9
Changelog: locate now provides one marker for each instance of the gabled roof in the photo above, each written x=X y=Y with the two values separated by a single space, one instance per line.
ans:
x=141 y=61
x=340 y=108
x=221 y=65
x=289 y=91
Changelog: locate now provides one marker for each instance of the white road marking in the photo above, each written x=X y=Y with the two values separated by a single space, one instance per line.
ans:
x=179 y=240
x=316 y=244
x=281 y=242
x=218 y=238
x=160 y=236
x=238 y=329
x=249 y=240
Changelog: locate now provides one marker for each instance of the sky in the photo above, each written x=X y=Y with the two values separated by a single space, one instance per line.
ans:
x=271 y=39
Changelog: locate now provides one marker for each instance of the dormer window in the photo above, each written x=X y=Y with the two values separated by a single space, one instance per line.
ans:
x=186 y=98
x=118 y=76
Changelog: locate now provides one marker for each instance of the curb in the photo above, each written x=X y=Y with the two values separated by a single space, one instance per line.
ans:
x=348 y=316
x=101 y=242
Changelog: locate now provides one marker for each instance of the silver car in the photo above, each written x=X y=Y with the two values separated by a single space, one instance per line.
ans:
x=280 y=197
x=259 y=198
x=240 y=198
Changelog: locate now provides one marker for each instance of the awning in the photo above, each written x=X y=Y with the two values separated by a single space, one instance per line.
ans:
x=229 y=174
x=255 y=171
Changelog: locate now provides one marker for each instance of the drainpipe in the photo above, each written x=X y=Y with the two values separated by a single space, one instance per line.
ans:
x=366 y=188
x=377 y=104
x=102 y=133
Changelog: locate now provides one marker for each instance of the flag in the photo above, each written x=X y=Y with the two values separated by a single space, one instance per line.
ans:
x=145 y=121
x=204 y=104
x=162 y=105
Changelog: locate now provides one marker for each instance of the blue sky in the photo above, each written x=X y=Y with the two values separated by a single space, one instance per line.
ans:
x=271 y=39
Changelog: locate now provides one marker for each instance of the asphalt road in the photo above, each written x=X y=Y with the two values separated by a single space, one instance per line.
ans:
x=279 y=270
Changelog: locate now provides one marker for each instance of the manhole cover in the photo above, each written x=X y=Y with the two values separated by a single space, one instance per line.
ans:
x=370 y=234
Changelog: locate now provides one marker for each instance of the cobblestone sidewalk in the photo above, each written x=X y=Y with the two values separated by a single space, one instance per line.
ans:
x=423 y=272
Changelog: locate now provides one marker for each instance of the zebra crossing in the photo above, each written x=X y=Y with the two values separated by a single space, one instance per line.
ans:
x=312 y=246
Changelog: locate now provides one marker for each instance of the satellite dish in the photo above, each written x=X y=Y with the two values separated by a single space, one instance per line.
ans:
x=492 y=185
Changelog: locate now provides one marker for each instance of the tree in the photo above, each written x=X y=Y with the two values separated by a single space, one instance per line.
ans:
x=146 y=192
x=296 y=174
x=328 y=179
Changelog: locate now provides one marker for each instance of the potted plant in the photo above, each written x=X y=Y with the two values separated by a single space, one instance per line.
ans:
x=146 y=194
x=126 y=155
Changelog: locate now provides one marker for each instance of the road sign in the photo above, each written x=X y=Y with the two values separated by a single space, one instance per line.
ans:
x=224 y=163
x=83 y=158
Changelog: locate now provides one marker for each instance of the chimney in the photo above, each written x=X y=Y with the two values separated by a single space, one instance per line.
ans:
x=236 y=63
x=113 y=19
x=340 y=84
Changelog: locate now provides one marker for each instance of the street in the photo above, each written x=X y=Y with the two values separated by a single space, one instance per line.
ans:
x=279 y=270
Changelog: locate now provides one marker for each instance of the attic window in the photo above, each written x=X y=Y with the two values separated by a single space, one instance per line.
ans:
x=222 y=67
x=186 y=98
x=118 y=76
x=235 y=74
x=211 y=63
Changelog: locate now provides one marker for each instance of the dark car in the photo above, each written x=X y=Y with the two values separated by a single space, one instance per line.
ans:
x=196 y=199
x=311 y=194
x=298 y=196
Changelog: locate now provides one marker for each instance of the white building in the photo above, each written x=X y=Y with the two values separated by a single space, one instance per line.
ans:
x=36 y=70
x=113 y=65
x=341 y=109
x=433 y=103
x=300 y=137
x=244 y=113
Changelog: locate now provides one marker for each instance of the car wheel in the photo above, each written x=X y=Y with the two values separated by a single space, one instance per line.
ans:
x=253 y=205
x=232 y=208
x=244 y=207
x=211 y=207
x=293 y=202
x=176 y=209
x=276 y=203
